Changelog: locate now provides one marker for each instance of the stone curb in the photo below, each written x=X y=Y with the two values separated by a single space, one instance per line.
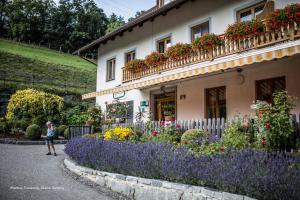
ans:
x=24 y=142
x=149 y=189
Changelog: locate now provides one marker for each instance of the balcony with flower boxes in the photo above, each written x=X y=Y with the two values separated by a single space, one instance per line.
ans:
x=238 y=38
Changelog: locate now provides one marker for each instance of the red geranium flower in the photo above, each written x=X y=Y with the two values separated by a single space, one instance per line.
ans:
x=268 y=125
x=178 y=126
x=263 y=141
x=162 y=123
x=154 y=133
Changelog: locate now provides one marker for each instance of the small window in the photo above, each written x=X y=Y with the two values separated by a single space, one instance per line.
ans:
x=129 y=56
x=266 y=88
x=163 y=44
x=110 y=69
x=216 y=102
x=250 y=13
x=199 y=30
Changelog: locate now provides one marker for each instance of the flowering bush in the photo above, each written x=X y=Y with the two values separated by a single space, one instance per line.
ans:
x=118 y=134
x=136 y=65
x=155 y=59
x=207 y=42
x=179 y=51
x=288 y=15
x=234 y=138
x=254 y=173
x=32 y=106
x=240 y=30
x=275 y=129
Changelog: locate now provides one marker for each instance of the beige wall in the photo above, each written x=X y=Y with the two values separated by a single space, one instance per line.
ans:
x=239 y=97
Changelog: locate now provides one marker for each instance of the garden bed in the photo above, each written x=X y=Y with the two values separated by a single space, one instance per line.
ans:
x=251 y=172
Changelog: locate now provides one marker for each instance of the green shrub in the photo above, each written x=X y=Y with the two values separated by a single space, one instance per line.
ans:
x=17 y=131
x=188 y=138
x=5 y=126
x=33 y=132
x=234 y=138
x=78 y=119
x=61 y=129
x=33 y=106
x=66 y=134
x=21 y=124
x=208 y=148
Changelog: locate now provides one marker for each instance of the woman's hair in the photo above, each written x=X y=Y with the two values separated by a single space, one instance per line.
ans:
x=48 y=123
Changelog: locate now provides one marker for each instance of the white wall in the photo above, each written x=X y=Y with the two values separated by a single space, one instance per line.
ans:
x=239 y=97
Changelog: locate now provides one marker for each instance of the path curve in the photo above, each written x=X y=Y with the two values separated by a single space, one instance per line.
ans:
x=27 y=173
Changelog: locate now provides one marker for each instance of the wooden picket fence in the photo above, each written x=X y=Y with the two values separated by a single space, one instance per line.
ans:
x=213 y=126
x=78 y=131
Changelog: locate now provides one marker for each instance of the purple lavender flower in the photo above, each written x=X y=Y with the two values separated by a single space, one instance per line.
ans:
x=255 y=173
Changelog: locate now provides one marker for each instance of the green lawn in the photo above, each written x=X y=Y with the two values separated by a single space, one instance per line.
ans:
x=23 y=66
x=44 y=54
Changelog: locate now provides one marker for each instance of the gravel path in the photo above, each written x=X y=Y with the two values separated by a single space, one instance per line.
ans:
x=27 y=173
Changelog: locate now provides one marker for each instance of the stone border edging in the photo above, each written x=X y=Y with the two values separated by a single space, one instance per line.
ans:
x=151 y=189
x=25 y=142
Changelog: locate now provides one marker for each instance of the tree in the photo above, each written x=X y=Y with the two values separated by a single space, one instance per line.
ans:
x=62 y=25
x=90 y=23
x=3 y=18
x=137 y=14
x=114 y=22
x=28 y=18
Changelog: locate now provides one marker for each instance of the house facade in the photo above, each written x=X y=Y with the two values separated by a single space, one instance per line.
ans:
x=217 y=84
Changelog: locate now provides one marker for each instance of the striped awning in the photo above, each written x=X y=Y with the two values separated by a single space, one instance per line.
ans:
x=267 y=56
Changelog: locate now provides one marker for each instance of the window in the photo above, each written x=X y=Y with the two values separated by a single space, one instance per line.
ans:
x=216 y=102
x=110 y=69
x=266 y=88
x=163 y=44
x=250 y=13
x=129 y=56
x=199 y=30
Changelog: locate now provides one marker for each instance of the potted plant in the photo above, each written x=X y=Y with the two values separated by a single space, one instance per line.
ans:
x=136 y=65
x=207 y=42
x=260 y=107
x=241 y=30
x=155 y=59
x=169 y=112
x=179 y=51
x=286 y=16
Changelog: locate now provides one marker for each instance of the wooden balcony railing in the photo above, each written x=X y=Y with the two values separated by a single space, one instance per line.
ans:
x=285 y=33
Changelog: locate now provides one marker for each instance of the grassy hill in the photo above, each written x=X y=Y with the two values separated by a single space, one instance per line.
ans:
x=23 y=66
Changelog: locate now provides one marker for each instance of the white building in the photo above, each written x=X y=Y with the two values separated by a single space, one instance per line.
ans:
x=222 y=86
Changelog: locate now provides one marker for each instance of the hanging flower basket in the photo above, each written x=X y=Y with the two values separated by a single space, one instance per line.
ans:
x=136 y=65
x=179 y=51
x=155 y=59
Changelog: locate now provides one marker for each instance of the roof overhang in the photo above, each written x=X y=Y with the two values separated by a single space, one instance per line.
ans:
x=200 y=70
x=130 y=25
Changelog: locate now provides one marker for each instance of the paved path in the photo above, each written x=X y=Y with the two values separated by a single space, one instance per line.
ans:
x=27 y=173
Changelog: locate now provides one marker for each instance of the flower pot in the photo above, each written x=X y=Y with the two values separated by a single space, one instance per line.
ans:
x=169 y=118
x=260 y=112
